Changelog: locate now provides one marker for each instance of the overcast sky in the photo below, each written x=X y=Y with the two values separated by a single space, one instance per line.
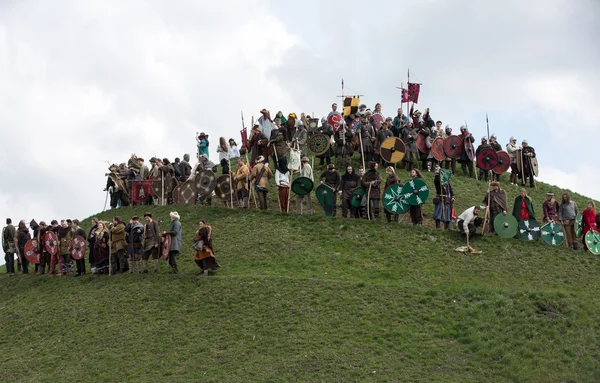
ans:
x=86 y=82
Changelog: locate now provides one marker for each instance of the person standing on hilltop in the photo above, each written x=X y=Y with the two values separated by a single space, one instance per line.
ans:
x=442 y=211
x=465 y=163
x=44 y=255
x=589 y=221
x=512 y=150
x=258 y=144
x=65 y=236
x=118 y=246
x=392 y=179
x=350 y=181
x=371 y=183
x=567 y=212
x=261 y=174
x=101 y=249
x=175 y=233
x=79 y=263
x=282 y=181
x=483 y=174
x=8 y=245
x=240 y=181
x=496 y=198
x=185 y=167
x=305 y=171
x=203 y=144
x=331 y=178
x=416 y=213
x=523 y=206
x=21 y=239
x=203 y=245
x=151 y=243
x=266 y=123
x=550 y=208
x=90 y=239
x=135 y=231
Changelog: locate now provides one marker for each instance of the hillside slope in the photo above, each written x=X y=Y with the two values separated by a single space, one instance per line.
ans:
x=315 y=299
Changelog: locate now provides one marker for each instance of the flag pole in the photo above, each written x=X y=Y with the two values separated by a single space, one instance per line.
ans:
x=407 y=103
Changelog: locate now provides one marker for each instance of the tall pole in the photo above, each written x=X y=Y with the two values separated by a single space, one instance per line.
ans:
x=407 y=106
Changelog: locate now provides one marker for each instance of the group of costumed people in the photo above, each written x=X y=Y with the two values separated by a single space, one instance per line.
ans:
x=112 y=247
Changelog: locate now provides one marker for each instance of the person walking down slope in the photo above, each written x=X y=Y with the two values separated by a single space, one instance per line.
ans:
x=205 y=256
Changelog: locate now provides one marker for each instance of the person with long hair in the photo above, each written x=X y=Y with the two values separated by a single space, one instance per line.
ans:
x=205 y=255
x=550 y=208
x=392 y=179
x=567 y=212
x=416 y=215
x=523 y=206
x=101 y=250
x=589 y=220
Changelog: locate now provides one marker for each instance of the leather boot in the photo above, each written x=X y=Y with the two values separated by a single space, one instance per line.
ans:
x=174 y=271
x=156 y=265
x=131 y=266
x=145 y=266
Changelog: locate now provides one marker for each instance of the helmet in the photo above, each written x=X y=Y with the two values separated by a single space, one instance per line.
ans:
x=483 y=139
x=512 y=138
x=323 y=120
x=463 y=128
x=493 y=136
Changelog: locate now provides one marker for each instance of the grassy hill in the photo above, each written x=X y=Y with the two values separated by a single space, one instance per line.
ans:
x=316 y=299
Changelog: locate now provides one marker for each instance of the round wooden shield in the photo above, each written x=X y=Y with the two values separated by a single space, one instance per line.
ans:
x=223 y=187
x=506 y=226
x=415 y=191
x=392 y=150
x=534 y=166
x=318 y=144
x=302 y=185
x=313 y=124
x=377 y=119
x=355 y=124
x=553 y=234
x=357 y=196
x=469 y=150
x=157 y=187
x=335 y=119
x=422 y=143
x=437 y=148
x=579 y=225
x=177 y=194
x=205 y=182
x=325 y=197
x=166 y=247
x=51 y=243
x=453 y=147
x=188 y=193
x=592 y=240
x=487 y=159
x=393 y=200
x=529 y=230
x=503 y=163
x=32 y=251
x=79 y=246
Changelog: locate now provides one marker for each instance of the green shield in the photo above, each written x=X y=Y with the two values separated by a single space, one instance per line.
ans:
x=529 y=230
x=302 y=185
x=325 y=197
x=592 y=239
x=579 y=225
x=415 y=192
x=357 y=196
x=393 y=200
x=506 y=226
x=553 y=234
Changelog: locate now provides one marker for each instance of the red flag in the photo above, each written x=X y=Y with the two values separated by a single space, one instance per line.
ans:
x=413 y=92
x=244 y=133
x=404 y=95
x=141 y=190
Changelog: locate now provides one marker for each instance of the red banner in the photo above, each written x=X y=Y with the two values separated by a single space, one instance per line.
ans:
x=141 y=190
x=413 y=92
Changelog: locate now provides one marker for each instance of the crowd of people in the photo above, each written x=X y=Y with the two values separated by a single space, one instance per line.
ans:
x=113 y=247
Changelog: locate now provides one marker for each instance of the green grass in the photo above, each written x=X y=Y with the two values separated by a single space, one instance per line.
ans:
x=316 y=299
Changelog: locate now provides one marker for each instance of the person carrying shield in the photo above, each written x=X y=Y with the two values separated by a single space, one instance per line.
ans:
x=367 y=135
x=392 y=179
x=305 y=171
x=496 y=147
x=416 y=213
x=483 y=174
x=589 y=221
x=65 y=236
x=20 y=240
x=261 y=174
x=442 y=211
x=382 y=134
x=331 y=178
x=350 y=181
x=44 y=255
x=495 y=198
x=371 y=182
x=409 y=136
x=550 y=208
x=465 y=163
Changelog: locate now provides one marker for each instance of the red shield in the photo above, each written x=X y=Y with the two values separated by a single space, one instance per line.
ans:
x=469 y=150
x=377 y=119
x=335 y=119
x=141 y=191
x=78 y=247
x=32 y=251
x=453 y=147
x=51 y=243
x=437 y=148
x=503 y=163
x=166 y=247
x=487 y=159
x=422 y=143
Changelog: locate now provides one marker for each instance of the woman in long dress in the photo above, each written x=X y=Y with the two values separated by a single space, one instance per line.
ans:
x=205 y=256
x=101 y=249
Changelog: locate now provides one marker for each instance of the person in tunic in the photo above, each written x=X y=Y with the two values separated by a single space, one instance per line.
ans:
x=343 y=146
x=368 y=138
x=266 y=123
x=135 y=235
x=258 y=144
x=550 y=208
x=223 y=150
x=202 y=144
x=409 y=136
x=523 y=206
x=91 y=237
x=279 y=146
x=234 y=151
x=496 y=198
x=528 y=153
x=261 y=174
x=371 y=182
x=465 y=163
x=8 y=245
x=449 y=163
x=350 y=181
x=282 y=181
x=101 y=249
x=331 y=178
x=392 y=179
x=65 y=236
x=151 y=243
x=44 y=255
x=305 y=171
x=442 y=211
x=496 y=147
x=483 y=174
x=21 y=239
x=567 y=212
x=383 y=134
x=241 y=177
x=174 y=232
x=118 y=246
x=79 y=263
x=512 y=150
x=205 y=256
x=300 y=138
x=589 y=221
x=468 y=221
x=416 y=213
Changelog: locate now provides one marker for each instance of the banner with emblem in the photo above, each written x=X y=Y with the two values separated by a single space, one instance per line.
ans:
x=140 y=191
x=351 y=105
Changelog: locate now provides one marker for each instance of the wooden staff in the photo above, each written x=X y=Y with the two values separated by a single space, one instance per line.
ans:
x=486 y=217
x=369 y=202
x=362 y=151
x=109 y=252
x=230 y=184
